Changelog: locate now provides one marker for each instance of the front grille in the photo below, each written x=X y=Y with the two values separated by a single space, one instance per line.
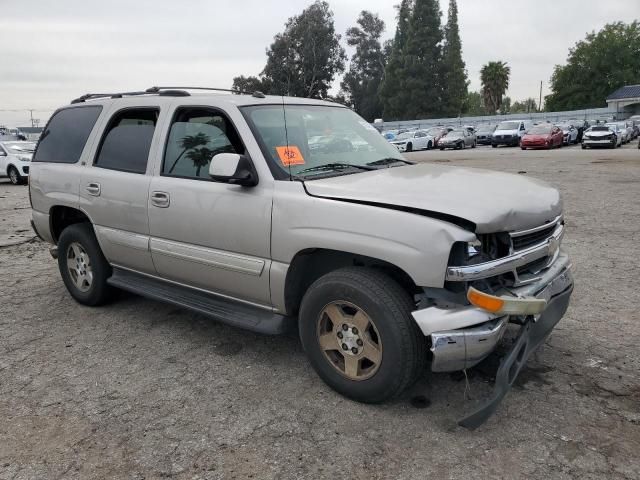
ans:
x=524 y=241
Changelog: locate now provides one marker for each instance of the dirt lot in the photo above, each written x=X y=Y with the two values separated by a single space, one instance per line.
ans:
x=139 y=389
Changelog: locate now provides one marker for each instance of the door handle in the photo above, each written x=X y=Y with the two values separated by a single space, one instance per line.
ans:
x=160 y=199
x=93 y=189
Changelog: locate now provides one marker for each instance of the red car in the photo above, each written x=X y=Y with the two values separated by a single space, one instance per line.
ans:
x=542 y=136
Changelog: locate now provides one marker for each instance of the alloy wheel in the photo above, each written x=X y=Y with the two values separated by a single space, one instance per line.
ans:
x=79 y=267
x=349 y=340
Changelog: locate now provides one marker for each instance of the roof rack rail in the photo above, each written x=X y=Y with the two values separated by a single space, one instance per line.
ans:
x=164 y=92
x=159 y=90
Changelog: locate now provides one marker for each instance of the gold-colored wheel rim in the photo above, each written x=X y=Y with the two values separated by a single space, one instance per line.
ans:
x=349 y=340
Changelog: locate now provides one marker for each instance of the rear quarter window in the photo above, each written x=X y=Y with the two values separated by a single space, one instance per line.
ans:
x=66 y=133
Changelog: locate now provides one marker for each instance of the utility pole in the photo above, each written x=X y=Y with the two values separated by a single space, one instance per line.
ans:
x=31 y=113
x=540 y=101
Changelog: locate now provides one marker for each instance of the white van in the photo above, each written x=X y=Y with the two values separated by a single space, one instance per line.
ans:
x=510 y=132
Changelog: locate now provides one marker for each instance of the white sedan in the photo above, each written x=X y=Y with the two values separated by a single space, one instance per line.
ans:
x=15 y=158
x=414 y=140
x=569 y=133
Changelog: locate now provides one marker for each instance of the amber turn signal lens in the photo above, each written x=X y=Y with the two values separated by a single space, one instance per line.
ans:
x=485 y=301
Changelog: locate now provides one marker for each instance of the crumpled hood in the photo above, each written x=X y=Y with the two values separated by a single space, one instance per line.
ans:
x=493 y=201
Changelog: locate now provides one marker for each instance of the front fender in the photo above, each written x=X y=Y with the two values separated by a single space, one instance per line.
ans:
x=417 y=244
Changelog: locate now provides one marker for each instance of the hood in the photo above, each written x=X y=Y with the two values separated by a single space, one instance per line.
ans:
x=399 y=142
x=599 y=133
x=535 y=137
x=506 y=132
x=493 y=201
x=451 y=137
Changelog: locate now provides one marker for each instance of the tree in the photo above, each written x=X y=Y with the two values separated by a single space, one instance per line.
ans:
x=473 y=105
x=303 y=60
x=526 y=106
x=454 y=76
x=391 y=92
x=505 y=105
x=250 y=84
x=494 y=77
x=421 y=74
x=362 y=82
x=597 y=66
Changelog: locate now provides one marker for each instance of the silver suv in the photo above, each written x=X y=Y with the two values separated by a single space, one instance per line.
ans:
x=269 y=212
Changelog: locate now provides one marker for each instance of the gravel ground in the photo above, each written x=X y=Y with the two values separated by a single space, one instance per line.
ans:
x=139 y=389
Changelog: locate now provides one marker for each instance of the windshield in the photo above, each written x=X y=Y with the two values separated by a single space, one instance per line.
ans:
x=315 y=136
x=540 y=130
x=434 y=132
x=455 y=133
x=404 y=136
x=508 y=126
x=487 y=128
x=20 y=147
x=612 y=126
x=599 y=129
x=565 y=126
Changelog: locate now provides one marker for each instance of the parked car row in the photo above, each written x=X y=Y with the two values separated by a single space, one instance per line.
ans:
x=523 y=133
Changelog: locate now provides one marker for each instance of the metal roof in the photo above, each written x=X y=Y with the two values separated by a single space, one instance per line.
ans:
x=628 y=91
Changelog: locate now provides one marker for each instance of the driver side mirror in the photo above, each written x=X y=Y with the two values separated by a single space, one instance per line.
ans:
x=234 y=169
x=3 y=154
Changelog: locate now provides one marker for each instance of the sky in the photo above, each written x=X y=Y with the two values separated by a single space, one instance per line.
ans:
x=65 y=48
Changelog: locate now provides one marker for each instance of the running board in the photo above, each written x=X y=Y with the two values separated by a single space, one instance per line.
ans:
x=221 y=309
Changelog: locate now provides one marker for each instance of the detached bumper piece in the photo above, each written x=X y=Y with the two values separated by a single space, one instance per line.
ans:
x=531 y=335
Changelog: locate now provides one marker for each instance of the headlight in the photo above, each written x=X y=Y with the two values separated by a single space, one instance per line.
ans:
x=24 y=159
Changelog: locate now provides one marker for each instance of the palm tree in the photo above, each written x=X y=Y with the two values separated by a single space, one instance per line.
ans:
x=200 y=158
x=189 y=142
x=495 y=81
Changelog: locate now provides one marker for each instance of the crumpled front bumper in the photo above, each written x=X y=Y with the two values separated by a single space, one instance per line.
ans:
x=462 y=337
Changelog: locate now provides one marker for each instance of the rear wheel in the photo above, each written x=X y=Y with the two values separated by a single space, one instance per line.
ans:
x=494 y=145
x=429 y=146
x=474 y=145
x=82 y=265
x=357 y=330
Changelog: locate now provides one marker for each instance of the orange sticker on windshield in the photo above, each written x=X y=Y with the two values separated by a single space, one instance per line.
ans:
x=290 y=155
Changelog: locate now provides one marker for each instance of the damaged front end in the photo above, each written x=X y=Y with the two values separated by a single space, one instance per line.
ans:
x=520 y=278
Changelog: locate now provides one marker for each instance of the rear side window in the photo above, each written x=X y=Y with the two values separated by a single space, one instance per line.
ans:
x=126 y=142
x=65 y=135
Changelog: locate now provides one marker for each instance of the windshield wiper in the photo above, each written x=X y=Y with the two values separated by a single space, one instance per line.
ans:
x=389 y=160
x=335 y=166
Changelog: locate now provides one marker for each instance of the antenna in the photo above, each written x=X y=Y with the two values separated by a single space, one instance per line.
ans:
x=286 y=134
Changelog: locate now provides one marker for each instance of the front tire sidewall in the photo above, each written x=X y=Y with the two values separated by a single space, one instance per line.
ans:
x=99 y=292
x=391 y=316
x=15 y=179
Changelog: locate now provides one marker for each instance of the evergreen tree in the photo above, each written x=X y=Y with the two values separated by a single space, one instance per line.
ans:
x=392 y=96
x=362 y=82
x=454 y=87
x=421 y=72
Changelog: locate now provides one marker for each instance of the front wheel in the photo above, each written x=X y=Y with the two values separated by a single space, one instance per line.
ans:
x=357 y=331
x=473 y=145
x=14 y=176
x=494 y=145
x=429 y=146
x=409 y=147
x=82 y=265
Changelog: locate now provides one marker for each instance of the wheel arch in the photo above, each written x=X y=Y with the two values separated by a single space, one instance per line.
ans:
x=310 y=264
x=61 y=216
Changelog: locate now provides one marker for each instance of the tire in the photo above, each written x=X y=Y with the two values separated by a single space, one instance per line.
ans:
x=442 y=149
x=523 y=148
x=429 y=146
x=386 y=310
x=91 y=260
x=409 y=147
x=494 y=145
x=14 y=176
x=584 y=147
x=474 y=145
